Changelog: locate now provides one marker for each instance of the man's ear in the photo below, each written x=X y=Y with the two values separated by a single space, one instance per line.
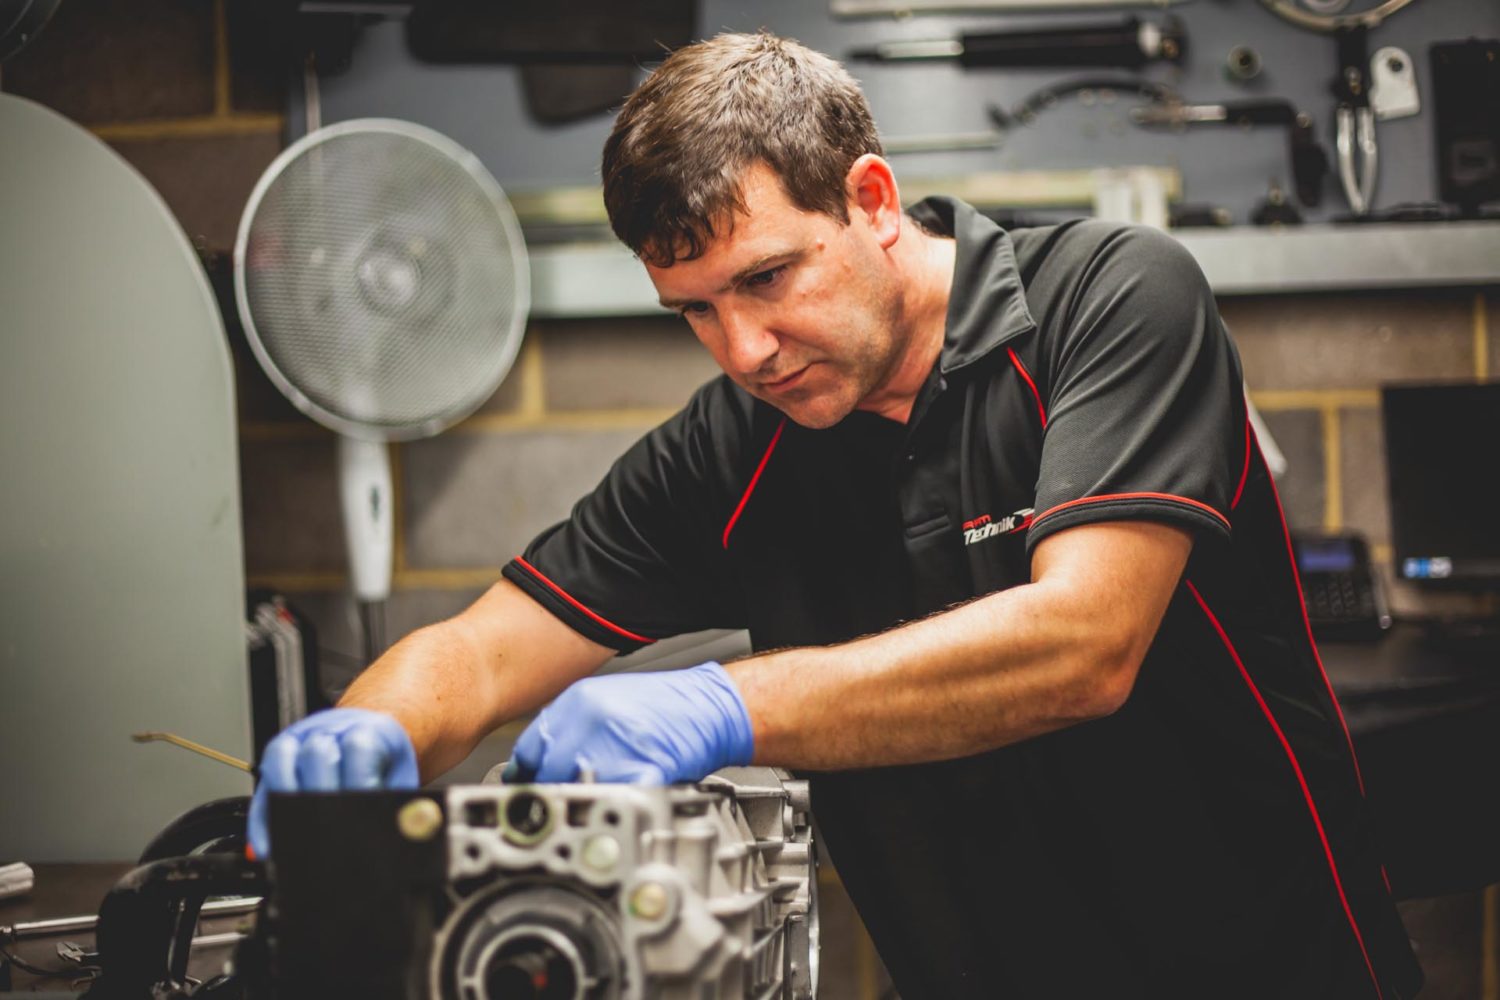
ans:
x=874 y=197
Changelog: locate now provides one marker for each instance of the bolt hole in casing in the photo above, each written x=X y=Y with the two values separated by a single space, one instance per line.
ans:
x=528 y=818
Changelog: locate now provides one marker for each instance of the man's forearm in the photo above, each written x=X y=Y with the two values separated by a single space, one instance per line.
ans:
x=1004 y=668
x=435 y=685
x=451 y=683
x=995 y=671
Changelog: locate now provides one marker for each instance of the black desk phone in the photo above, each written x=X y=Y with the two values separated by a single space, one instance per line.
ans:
x=1343 y=593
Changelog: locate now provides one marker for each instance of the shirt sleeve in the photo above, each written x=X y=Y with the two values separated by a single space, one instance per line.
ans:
x=1141 y=393
x=638 y=559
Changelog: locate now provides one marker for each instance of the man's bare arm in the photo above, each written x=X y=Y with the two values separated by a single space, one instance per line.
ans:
x=451 y=683
x=1015 y=664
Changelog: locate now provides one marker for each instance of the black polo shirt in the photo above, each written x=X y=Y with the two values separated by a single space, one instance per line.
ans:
x=1210 y=838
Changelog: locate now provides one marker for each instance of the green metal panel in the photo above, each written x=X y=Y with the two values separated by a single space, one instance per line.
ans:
x=121 y=571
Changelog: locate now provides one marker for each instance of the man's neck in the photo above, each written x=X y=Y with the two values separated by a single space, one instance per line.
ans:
x=927 y=269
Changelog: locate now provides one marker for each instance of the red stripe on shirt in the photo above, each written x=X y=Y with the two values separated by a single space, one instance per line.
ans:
x=1132 y=496
x=1301 y=779
x=577 y=604
x=1027 y=376
x=753 y=480
x=1291 y=555
x=1245 y=472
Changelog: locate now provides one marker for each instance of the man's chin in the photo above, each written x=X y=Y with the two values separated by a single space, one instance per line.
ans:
x=814 y=414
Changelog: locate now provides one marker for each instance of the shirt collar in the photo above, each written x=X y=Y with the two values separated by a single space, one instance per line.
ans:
x=987 y=303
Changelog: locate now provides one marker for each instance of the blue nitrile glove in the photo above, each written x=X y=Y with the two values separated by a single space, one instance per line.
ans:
x=645 y=728
x=330 y=751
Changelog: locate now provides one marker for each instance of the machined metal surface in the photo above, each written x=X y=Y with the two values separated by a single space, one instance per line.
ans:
x=617 y=892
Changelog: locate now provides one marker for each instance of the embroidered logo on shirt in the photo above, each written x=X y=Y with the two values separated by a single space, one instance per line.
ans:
x=984 y=526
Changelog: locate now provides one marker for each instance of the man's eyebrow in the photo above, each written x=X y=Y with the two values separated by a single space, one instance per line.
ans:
x=754 y=267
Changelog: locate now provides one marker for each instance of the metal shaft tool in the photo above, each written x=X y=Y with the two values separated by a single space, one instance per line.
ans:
x=178 y=741
x=1129 y=44
x=1309 y=161
x=69 y=925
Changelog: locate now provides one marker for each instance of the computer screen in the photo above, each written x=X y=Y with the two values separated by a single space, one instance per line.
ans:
x=1443 y=477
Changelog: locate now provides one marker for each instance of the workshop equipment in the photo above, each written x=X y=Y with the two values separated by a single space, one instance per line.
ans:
x=1466 y=96
x=198 y=748
x=1393 y=84
x=499 y=892
x=1354 y=116
x=1308 y=160
x=566 y=75
x=1127 y=44
x=1356 y=120
x=383 y=285
x=484 y=891
x=907 y=8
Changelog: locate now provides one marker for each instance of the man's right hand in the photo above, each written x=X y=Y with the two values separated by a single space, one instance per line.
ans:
x=335 y=750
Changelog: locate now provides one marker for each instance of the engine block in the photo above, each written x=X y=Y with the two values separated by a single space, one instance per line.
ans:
x=548 y=892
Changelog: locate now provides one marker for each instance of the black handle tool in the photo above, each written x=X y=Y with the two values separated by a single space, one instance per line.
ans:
x=1128 y=44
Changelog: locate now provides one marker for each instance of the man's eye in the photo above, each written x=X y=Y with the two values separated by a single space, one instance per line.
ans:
x=763 y=278
x=695 y=309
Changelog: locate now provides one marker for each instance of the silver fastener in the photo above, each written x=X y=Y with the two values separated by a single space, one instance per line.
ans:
x=601 y=852
x=419 y=819
x=649 y=901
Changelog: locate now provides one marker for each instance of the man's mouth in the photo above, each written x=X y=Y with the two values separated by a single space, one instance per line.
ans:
x=786 y=382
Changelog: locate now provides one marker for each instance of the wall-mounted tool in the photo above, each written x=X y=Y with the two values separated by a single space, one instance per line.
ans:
x=1025 y=111
x=1354 y=115
x=1328 y=21
x=1129 y=44
x=577 y=58
x=1393 y=84
x=906 y=8
x=1309 y=161
x=1356 y=120
x=1466 y=96
x=1325 y=6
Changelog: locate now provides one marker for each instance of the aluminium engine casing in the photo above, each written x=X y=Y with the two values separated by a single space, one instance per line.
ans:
x=569 y=891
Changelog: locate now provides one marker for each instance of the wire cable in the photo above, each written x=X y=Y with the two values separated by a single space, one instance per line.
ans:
x=1026 y=110
x=1371 y=18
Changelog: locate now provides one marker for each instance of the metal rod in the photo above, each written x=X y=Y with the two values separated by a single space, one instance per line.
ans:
x=178 y=741
x=66 y=925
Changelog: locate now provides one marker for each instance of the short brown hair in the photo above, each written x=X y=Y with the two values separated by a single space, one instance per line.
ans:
x=673 y=162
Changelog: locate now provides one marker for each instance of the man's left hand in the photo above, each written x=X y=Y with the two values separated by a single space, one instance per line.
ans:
x=641 y=728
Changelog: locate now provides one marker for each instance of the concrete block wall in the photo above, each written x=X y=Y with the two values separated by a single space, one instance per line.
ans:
x=472 y=497
x=193 y=105
x=1315 y=363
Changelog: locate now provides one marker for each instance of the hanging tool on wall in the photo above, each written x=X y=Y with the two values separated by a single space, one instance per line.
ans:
x=1309 y=160
x=1353 y=113
x=1128 y=44
x=1026 y=110
x=1356 y=119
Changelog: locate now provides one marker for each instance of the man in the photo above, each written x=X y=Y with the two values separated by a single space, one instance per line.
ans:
x=1084 y=747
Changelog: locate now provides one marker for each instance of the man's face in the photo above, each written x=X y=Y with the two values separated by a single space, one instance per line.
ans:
x=797 y=308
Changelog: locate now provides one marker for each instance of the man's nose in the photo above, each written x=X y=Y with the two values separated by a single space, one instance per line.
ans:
x=748 y=343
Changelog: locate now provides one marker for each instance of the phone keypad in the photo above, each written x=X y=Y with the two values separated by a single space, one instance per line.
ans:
x=1339 y=597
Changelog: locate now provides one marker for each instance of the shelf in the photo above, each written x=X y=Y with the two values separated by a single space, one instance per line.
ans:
x=604 y=279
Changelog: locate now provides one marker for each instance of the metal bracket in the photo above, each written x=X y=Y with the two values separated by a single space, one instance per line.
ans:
x=1393 y=84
